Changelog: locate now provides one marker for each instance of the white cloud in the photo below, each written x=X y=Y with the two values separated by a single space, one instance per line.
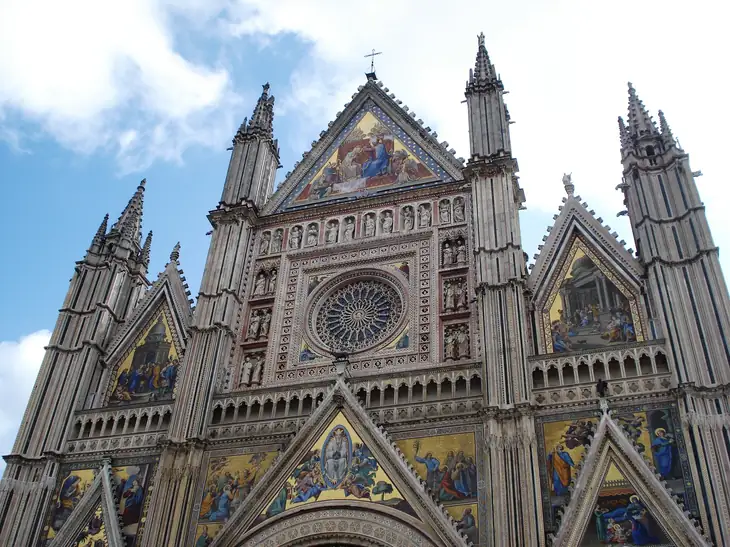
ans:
x=19 y=364
x=93 y=73
x=565 y=64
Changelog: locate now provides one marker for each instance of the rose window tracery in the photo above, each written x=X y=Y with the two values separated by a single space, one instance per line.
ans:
x=357 y=314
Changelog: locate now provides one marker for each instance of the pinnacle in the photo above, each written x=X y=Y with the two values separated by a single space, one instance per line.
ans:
x=483 y=68
x=664 y=126
x=640 y=123
x=262 y=119
x=101 y=232
x=175 y=254
x=623 y=133
x=130 y=221
x=144 y=255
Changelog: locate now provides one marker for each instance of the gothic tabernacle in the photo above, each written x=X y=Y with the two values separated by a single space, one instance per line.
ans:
x=370 y=360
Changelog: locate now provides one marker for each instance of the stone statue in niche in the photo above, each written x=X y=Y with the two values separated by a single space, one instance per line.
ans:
x=459 y=210
x=265 y=242
x=265 y=323
x=258 y=370
x=276 y=242
x=271 y=285
x=456 y=342
x=312 y=235
x=462 y=300
x=408 y=218
x=349 y=229
x=447 y=254
x=259 y=288
x=387 y=222
x=254 y=325
x=460 y=252
x=246 y=371
x=449 y=296
x=331 y=231
x=444 y=211
x=424 y=215
x=295 y=237
x=369 y=225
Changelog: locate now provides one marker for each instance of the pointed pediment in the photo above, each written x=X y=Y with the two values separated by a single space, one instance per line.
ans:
x=340 y=460
x=617 y=495
x=94 y=518
x=372 y=147
x=585 y=286
x=152 y=342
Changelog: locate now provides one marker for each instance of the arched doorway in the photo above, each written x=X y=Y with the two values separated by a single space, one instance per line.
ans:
x=341 y=524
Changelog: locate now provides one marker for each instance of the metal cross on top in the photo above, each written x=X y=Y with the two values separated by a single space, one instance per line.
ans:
x=372 y=60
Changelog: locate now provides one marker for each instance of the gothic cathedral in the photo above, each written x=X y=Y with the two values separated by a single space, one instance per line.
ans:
x=370 y=361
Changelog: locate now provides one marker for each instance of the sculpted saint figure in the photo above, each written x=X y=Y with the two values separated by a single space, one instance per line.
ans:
x=461 y=253
x=276 y=243
x=260 y=286
x=387 y=222
x=444 y=212
x=254 y=324
x=246 y=373
x=272 y=282
x=449 y=296
x=264 y=246
x=331 y=232
x=312 y=235
x=369 y=226
x=448 y=255
x=463 y=298
x=349 y=229
x=265 y=322
x=424 y=216
x=257 y=371
x=459 y=210
x=295 y=237
x=407 y=218
x=462 y=338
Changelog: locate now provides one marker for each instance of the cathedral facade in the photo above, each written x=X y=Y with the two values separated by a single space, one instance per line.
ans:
x=371 y=362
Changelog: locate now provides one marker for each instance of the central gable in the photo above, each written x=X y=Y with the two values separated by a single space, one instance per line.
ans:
x=371 y=154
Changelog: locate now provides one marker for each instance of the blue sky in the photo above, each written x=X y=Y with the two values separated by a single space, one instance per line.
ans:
x=95 y=96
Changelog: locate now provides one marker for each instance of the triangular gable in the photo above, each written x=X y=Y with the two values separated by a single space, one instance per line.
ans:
x=373 y=146
x=94 y=517
x=166 y=310
x=580 y=255
x=371 y=476
x=616 y=481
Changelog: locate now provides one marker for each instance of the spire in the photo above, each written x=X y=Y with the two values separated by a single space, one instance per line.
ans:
x=665 y=129
x=483 y=69
x=98 y=240
x=640 y=123
x=261 y=123
x=623 y=133
x=175 y=254
x=144 y=254
x=130 y=221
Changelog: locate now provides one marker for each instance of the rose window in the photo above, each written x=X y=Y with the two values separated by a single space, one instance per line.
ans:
x=358 y=314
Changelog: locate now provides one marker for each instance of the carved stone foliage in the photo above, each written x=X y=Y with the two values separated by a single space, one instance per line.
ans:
x=457 y=344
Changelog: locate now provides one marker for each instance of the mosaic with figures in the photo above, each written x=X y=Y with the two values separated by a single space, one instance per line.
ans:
x=654 y=429
x=589 y=307
x=371 y=154
x=149 y=371
x=130 y=482
x=338 y=466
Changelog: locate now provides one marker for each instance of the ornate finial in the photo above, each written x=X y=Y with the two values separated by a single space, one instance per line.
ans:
x=144 y=254
x=483 y=69
x=664 y=127
x=568 y=184
x=100 y=232
x=143 y=182
x=261 y=123
x=371 y=75
x=175 y=254
x=129 y=223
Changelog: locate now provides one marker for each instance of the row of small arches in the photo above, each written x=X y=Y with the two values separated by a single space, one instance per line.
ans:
x=231 y=411
x=121 y=425
x=568 y=374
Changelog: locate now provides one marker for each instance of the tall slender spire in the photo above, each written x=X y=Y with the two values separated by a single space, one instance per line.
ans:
x=640 y=123
x=175 y=254
x=665 y=129
x=98 y=241
x=483 y=68
x=624 y=134
x=144 y=254
x=130 y=221
x=262 y=120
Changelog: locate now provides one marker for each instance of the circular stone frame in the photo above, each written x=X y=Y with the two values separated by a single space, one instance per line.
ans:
x=321 y=297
